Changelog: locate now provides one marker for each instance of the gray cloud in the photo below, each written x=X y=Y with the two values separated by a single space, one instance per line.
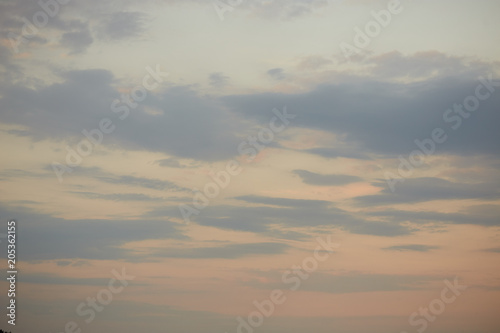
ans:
x=465 y=216
x=72 y=33
x=193 y=126
x=218 y=80
x=76 y=263
x=428 y=189
x=313 y=63
x=111 y=178
x=277 y=73
x=312 y=178
x=494 y=250
x=122 y=25
x=327 y=152
x=284 y=201
x=383 y=117
x=77 y=41
x=117 y=196
x=85 y=238
x=190 y=126
x=422 y=65
x=290 y=213
x=411 y=247
x=169 y=162
x=230 y=251
x=172 y=162
x=19 y=173
x=151 y=183
x=60 y=110
x=9 y=70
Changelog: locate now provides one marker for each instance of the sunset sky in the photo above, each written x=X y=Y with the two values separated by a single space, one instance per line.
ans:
x=338 y=160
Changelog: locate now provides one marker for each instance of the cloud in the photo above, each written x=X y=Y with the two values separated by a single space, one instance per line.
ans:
x=117 y=196
x=230 y=251
x=151 y=183
x=429 y=189
x=421 y=65
x=218 y=80
x=373 y=115
x=170 y=163
x=72 y=33
x=92 y=239
x=76 y=263
x=493 y=250
x=19 y=173
x=411 y=247
x=283 y=9
x=60 y=110
x=313 y=63
x=77 y=41
x=277 y=73
x=312 y=178
x=122 y=25
x=116 y=179
x=262 y=217
x=9 y=70
x=486 y=215
x=284 y=201
x=194 y=126
x=190 y=126
x=175 y=163
x=328 y=152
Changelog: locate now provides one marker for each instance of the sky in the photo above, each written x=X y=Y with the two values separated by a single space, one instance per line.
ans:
x=248 y=166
